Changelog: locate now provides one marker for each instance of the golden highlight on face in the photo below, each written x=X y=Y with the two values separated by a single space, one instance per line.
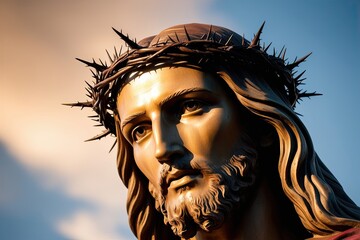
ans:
x=184 y=128
x=177 y=114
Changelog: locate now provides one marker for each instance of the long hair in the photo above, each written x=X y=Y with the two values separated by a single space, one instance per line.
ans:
x=317 y=196
x=262 y=83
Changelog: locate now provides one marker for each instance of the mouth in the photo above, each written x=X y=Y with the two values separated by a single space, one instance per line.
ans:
x=178 y=179
x=183 y=182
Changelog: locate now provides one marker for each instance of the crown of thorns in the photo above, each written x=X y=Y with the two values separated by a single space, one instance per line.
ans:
x=207 y=52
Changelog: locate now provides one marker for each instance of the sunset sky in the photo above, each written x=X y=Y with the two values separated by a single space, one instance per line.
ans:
x=53 y=185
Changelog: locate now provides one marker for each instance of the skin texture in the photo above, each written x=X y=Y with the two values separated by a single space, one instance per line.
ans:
x=175 y=122
x=177 y=118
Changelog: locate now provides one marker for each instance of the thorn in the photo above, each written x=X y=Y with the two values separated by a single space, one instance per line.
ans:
x=297 y=62
x=93 y=64
x=99 y=136
x=265 y=50
x=299 y=76
x=114 y=144
x=171 y=39
x=299 y=114
x=300 y=82
x=256 y=40
x=282 y=49
x=283 y=56
x=209 y=33
x=79 y=104
x=120 y=51
x=177 y=37
x=89 y=85
x=107 y=52
x=116 y=53
x=89 y=90
x=187 y=34
x=93 y=73
x=102 y=63
x=127 y=40
x=308 y=95
x=229 y=40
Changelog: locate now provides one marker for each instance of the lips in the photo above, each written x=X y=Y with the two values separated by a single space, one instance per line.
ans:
x=178 y=178
x=183 y=182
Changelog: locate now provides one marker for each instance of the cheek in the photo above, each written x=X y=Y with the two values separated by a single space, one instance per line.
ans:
x=225 y=136
x=205 y=136
x=147 y=163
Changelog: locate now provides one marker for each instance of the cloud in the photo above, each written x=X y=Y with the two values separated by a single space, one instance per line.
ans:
x=91 y=226
x=38 y=72
x=39 y=41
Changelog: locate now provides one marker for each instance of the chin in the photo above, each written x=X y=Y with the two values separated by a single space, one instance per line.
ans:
x=209 y=199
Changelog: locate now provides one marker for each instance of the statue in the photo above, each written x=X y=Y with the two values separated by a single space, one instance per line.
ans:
x=209 y=145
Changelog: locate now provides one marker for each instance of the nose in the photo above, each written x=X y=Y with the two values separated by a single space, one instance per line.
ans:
x=168 y=144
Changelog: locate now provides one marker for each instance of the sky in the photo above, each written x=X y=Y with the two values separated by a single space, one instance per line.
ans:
x=53 y=185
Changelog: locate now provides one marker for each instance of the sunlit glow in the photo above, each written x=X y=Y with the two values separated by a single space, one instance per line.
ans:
x=39 y=42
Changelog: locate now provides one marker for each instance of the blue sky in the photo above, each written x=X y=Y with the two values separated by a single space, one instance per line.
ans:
x=55 y=186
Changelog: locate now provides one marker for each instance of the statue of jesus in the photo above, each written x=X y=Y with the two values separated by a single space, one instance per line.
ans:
x=209 y=144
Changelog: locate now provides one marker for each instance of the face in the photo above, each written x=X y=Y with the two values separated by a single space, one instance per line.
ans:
x=184 y=126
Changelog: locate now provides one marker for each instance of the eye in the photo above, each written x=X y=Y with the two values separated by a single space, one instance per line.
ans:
x=191 y=106
x=140 y=132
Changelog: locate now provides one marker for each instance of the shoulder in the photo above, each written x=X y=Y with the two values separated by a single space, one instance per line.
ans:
x=350 y=234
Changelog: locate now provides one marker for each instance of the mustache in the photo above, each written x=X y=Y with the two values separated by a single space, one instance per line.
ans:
x=169 y=173
x=164 y=172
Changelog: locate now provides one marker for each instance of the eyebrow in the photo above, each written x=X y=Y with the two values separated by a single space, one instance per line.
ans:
x=131 y=118
x=162 y=102
x=179 y=93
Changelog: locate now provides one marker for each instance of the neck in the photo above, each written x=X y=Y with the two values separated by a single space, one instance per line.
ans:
x=266 y=217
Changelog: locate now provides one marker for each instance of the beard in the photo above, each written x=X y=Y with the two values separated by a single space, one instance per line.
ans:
x=227 y=188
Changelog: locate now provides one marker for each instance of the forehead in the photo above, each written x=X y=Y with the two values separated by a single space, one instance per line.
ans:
x=155 y=86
